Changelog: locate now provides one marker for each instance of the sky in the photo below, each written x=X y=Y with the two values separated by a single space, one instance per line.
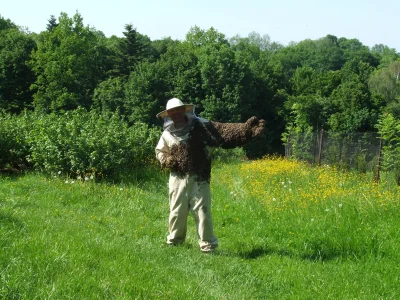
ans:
x=284 y=21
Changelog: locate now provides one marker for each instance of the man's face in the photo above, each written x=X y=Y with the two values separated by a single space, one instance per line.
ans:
x=177 y=114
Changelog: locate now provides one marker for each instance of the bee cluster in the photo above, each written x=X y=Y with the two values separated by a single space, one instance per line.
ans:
x=191 y=157
x=231 y=135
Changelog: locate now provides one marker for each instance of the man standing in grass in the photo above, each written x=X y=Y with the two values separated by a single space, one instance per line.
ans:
x=184 y=149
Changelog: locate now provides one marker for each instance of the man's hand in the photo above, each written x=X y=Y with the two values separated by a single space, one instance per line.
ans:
x=255 y=126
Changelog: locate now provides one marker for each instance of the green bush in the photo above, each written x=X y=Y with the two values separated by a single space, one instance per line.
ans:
x=80 y=143
x=13 y=147
x=389 y=127
x=75 y=143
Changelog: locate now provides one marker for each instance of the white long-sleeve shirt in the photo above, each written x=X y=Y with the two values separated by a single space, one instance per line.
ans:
x=167 y=140
x=163 y=148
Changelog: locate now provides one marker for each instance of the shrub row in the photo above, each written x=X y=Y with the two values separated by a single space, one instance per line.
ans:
x=77 y=143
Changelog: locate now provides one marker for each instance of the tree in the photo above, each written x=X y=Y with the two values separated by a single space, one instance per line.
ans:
x=328 y=55
x=52 y=23
x=356 y=68
x=198 y=37
x=385 y=54
x=309 y=106
x=263 y=43
x=220 y=75
x=353 y=49
x=354 y=108
x=6 y=24
x=394 y=68
x=145 y=92
x=129 y=51
x=306 y=113
x=294 y=56
x=109 y=96
x=221 y=81
x=303 y=81
x=384 y=83
x=182 y=74
x=160 y=47
x=266 y=86
x=69 y=63
x=15 y=74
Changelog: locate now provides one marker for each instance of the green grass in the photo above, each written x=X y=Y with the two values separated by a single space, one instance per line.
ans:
x=91 y=240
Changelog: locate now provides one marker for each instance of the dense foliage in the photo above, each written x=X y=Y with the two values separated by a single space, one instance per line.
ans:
x=76 y=143
x=333 y=83
x=389 y=128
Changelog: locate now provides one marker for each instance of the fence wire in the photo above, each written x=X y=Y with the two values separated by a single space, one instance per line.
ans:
x=360 y=151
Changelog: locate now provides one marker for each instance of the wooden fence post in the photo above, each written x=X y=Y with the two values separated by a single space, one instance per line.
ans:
x=287 y=150
x=378 y=169
x=320 y=147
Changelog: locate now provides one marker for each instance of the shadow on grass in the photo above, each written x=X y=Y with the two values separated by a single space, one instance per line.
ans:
x=315 y=255
x=11 y=174
x=260 y=251
x=8 y=221
x=255 y=252
x=146 y=175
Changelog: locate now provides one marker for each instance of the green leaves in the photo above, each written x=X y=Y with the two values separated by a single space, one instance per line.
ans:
x=143 y=90
x=68 y=66
x=15 y=74
x=109 y=96
x=335 y=83
x=389 y=127
x=13 y=147
x=81 y=142
x=75 y=143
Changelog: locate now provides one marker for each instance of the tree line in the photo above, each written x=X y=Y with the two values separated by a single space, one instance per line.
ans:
x=337 y=84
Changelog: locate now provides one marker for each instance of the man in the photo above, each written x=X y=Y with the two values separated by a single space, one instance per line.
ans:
x=184 y=148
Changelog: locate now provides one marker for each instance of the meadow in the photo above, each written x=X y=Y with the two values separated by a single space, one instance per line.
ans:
x=287 y=230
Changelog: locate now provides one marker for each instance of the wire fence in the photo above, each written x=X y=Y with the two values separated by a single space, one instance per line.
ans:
x=360 y=151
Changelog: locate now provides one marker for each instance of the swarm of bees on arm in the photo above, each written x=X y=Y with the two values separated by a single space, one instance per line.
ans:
x=192 y=157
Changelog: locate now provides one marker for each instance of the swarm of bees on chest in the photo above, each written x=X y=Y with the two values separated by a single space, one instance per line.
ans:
x=192 y=157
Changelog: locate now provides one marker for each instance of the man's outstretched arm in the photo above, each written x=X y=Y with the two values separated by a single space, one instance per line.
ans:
x=231 y=135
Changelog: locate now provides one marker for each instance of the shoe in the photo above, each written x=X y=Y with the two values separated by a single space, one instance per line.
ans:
x=173 y=244
x=208 y=249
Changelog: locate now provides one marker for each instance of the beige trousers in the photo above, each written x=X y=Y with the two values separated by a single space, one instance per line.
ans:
x=186 y=194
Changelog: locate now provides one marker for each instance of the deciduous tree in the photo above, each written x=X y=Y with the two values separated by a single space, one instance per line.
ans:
x=15 y=74
x=69 y=64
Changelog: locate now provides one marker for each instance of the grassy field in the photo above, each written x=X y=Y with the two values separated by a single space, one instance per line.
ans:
x=286 y=231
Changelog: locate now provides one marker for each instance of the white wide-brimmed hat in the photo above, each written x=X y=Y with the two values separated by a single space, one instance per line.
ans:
x=173 y=103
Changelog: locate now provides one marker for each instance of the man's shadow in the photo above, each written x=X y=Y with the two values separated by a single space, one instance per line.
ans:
x=321 y=255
